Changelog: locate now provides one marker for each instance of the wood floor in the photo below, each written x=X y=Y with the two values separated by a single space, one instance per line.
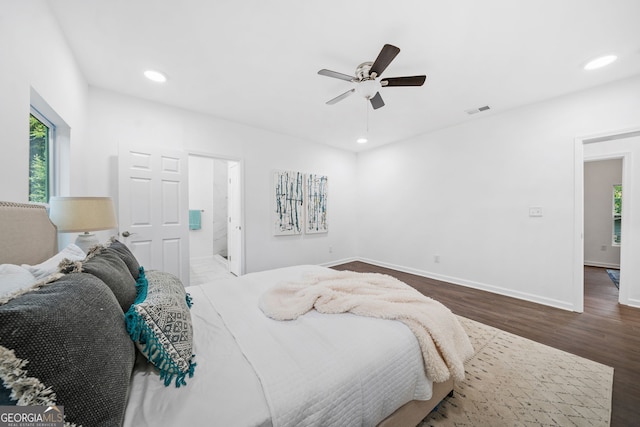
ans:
x=606 y=332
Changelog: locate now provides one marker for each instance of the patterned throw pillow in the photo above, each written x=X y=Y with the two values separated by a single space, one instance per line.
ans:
x=65 y=343
x=159 y=322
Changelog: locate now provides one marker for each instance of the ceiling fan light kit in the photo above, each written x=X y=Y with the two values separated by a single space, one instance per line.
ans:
x=367 y=78
x=368 y=88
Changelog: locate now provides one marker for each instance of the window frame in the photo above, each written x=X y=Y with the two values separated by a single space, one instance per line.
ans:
x=60 y=148
x=52 y=167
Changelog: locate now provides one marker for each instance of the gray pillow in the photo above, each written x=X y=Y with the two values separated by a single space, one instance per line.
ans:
x=125 y=255
x=66 y=344
x=107 y=266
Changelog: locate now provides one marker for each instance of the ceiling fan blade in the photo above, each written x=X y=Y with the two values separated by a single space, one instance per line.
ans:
x=384 y=58
x=340 y=97
x=404 y=81
x=376 y=101
x=336 y=75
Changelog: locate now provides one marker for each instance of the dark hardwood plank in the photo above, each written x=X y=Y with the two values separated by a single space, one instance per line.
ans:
x=606 y=332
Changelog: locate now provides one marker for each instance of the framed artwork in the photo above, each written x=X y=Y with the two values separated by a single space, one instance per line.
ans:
x=316 y=204
x=288 y=202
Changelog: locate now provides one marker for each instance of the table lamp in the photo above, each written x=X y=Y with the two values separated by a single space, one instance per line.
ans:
x=84 y=214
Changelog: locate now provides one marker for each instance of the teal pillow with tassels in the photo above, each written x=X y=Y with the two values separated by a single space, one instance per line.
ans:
x=159 y=322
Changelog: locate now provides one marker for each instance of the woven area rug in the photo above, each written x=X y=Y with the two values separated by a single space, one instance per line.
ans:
x=513 y=381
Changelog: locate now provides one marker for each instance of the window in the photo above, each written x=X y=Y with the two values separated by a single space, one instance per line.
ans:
x=41 y=133
x=49 y=152
x=617 y=214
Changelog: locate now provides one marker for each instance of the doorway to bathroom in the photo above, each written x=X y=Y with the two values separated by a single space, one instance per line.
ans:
x=215 y=212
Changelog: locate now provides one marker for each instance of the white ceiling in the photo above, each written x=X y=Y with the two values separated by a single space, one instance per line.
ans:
x=256 y=61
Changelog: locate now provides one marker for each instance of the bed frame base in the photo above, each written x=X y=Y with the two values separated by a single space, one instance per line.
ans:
x=411 y=413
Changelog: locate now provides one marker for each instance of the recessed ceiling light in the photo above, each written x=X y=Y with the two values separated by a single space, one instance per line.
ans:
x=600 y=62
x=155 y=76
x=362 y=140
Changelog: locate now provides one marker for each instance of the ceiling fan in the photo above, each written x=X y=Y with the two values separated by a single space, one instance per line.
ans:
x=367 y=78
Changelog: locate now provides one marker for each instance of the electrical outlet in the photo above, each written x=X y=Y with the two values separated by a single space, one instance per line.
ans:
x=535 y=211
x=330 y=249
x=436 y=259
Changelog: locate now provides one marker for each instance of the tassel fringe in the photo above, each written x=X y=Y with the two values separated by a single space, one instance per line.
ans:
x=25 y=390
x=141 y=333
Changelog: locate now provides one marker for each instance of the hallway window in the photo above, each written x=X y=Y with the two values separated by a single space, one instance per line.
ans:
x=617 y=214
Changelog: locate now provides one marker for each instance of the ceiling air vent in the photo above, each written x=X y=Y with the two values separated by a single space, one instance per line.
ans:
x=477 y=110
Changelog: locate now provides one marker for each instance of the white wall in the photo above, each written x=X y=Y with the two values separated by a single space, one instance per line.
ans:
x=35 y=56
x=208 y=193
x=220 y=212
x=599 y=179
x=463 y=193
x=201 y=198
x=121 y=119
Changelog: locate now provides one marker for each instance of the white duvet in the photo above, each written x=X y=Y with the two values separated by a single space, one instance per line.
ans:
x=317 y=370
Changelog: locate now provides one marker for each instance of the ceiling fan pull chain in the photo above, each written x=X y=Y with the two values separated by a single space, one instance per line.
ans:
x=366 y=105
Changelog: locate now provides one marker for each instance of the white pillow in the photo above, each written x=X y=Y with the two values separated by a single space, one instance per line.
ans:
x=13 y=278
x=50 y=266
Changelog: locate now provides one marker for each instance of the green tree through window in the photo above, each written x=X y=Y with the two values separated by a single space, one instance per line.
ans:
x=38 y=160
x=617 y=214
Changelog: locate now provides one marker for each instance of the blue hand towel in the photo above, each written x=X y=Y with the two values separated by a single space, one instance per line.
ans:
x=195 y=219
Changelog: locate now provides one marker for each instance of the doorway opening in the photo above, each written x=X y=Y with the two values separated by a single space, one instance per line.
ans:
x=215 y=212
x=603 y=219
x=612 y=145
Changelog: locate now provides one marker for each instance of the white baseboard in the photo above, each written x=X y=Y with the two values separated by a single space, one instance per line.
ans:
x=201 y=258
x=633 y=303
x=338 y=262
x=601 y=264
x=475 y=285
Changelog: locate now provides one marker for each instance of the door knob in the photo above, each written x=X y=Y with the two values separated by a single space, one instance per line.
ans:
x=126 y=234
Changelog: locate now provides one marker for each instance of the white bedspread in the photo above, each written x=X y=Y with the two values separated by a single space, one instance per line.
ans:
x=445 y=345
x=321 y=370
x=318 y=370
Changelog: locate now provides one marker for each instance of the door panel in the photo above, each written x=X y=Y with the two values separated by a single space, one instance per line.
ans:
x=170 y=203
x=153 y=208
x=141 y=249
x=234 y=236
x=171 y=254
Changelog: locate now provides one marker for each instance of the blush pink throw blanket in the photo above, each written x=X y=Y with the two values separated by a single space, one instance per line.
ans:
x=444 y=344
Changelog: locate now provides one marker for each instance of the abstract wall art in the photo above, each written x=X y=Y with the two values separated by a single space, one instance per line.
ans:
x=316 y=204
x=288 y=202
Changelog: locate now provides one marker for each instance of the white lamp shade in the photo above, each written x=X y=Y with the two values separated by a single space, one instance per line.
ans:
x=82 y=213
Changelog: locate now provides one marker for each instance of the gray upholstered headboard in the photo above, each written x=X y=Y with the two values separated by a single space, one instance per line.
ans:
x=27 y=236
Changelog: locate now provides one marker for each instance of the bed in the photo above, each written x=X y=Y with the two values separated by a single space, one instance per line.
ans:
x=322 y=369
